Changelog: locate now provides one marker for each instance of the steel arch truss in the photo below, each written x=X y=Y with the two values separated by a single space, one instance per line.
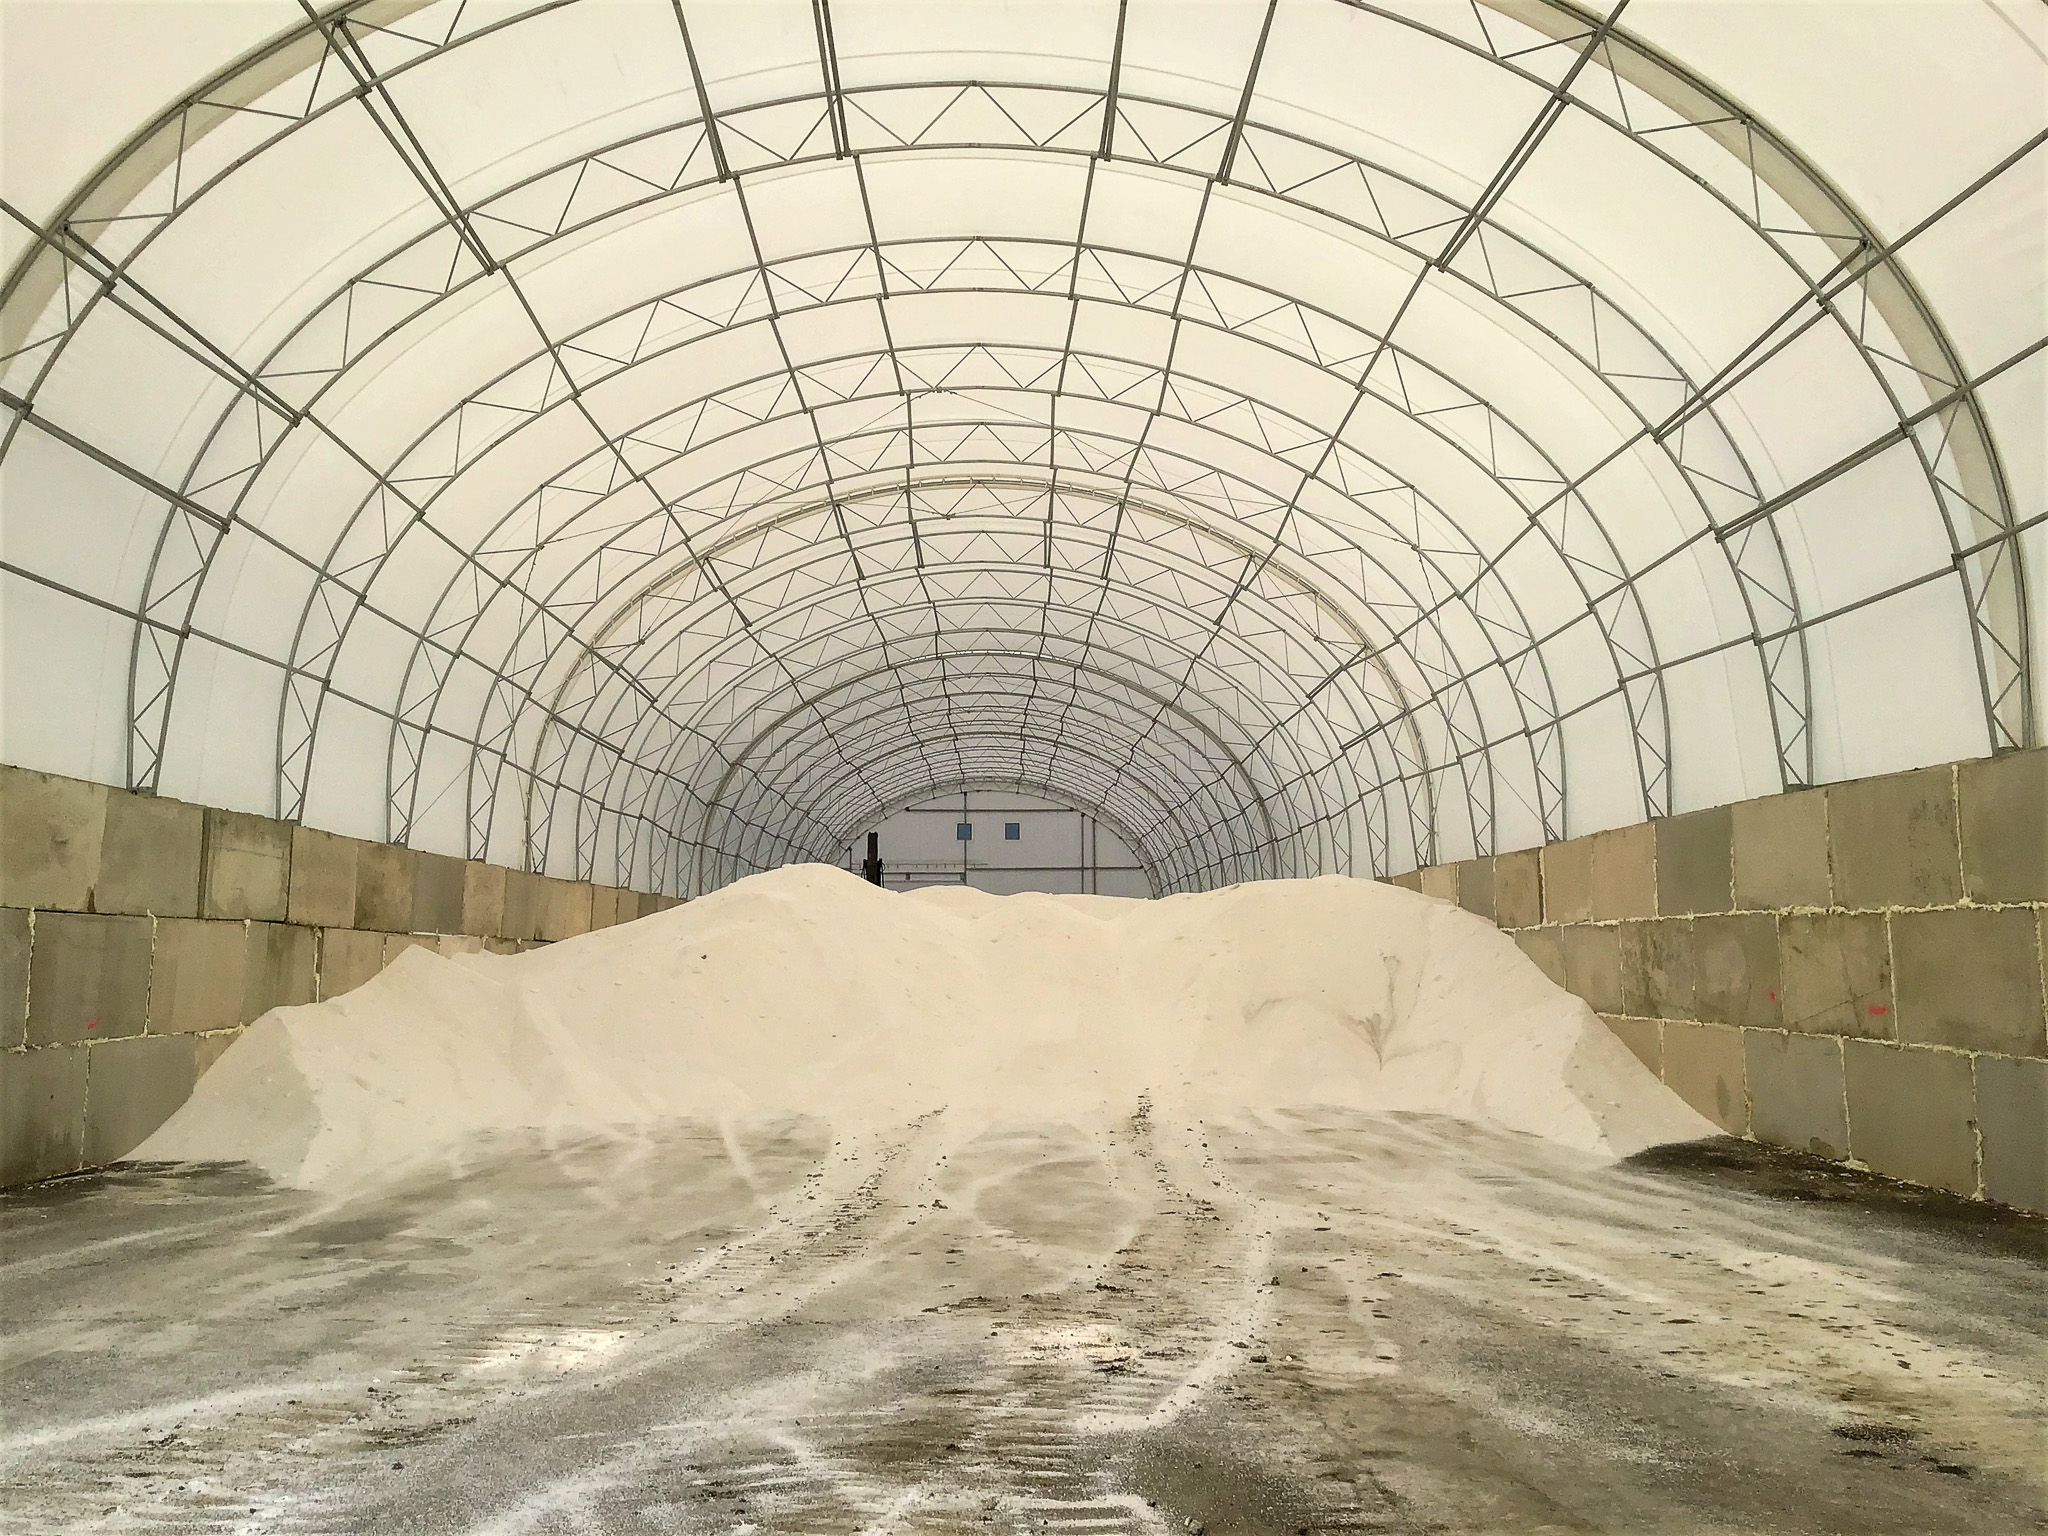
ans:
x=1269 y=628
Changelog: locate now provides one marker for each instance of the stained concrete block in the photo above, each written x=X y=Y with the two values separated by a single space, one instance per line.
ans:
x=483 y=899
x=131 y=1088
x=150 y=856
x=1735 y=969
x=1545 y=946
x=523 y=904
x=1645 y=1037
x=604 y=907
x=1409 y=881
x=323 y=884
x=1568 y=881
x=42 y=1113
x=567 y=910
x=1475 y=887
x=1892 y=841
x=1835 y=974
x=1592 y=966
x=2012 y=1118
x=281 y=972
x=197 y=977
x=1970 y=977
x=50 y=829
x=13 y=977
x=1795 y=1091
x=1695 y=855
x=501 y=946
x=1625 y=872
x=348 y=958
x=1780 y=856
x=1911 y=1113
x=1657 y=969
x=448 y=945
x=384 y=887
x=2003 y=803
x=1441 y=881
x=246 y=871
x=436 y=894
x=88 y=977
x=1703 y=1066
x=1518 y=888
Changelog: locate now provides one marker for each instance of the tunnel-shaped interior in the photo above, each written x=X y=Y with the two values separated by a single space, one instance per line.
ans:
x=649 y=443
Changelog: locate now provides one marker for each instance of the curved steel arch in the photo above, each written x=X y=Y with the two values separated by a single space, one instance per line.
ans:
x=2001 y=697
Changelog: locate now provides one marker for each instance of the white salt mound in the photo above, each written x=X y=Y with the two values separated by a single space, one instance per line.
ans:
x=806 y=990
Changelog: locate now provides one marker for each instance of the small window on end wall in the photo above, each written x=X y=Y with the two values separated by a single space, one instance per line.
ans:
x=1012 y=830
x=963 y=831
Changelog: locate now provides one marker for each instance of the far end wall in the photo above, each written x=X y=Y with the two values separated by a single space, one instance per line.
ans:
x=1056 y=848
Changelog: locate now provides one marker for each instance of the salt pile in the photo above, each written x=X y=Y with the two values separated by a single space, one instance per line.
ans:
x=806 y=991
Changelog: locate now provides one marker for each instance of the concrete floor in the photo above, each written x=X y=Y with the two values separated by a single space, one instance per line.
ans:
x=1301 y=1322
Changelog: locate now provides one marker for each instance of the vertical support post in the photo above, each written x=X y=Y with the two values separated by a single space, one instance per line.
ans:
x=871 y=867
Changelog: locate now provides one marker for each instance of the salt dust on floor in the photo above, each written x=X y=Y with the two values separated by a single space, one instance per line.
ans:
x=1291 y=1210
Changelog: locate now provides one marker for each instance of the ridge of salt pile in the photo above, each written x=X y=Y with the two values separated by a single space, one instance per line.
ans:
x=805 y=990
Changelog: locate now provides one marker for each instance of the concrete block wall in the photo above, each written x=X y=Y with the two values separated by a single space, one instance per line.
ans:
x=1858 y=970
x=140 y=936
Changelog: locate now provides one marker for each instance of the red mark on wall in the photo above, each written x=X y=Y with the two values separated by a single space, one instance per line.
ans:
x=1774 y=997
x=1878 y=1008
x=92 y=1023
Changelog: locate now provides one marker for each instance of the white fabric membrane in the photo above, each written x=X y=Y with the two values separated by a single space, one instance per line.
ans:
x=1314 y=436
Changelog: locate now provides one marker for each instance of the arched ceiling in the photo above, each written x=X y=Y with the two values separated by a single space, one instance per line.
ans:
x=645 y=439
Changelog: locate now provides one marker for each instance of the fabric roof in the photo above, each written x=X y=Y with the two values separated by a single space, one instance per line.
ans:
x=646 y=440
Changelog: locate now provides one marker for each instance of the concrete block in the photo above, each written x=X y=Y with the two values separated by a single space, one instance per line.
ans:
x=451 y=944
x=1645 y=1037
x=1441 y=881
x=1695 y=862
x=1780 y=856
x=1911 y=1113
x=2003 y=803
x=384 y=887
x=1409 y=881
x=207 y=1049
x=1657 y=969
x=2012 y=1119
x=1592 y=966
x=13 y=977
x=1545 y=946
x=246 y=871
x=348 y=958
x=131 y=1088
x=483 y=899
x=396 y=944
x=1735 y=969
x=323 y=885
x=1703 y=1066
x=88 y=977
x=1795 y=1091
x=197 y=976
x=1568 y=881
x=1475 y=887
x=1625 y=872
x=523 y=904
x=567 y=911
x=1892 y=841
x=501 y=946
x=282 y=969
x=42 y=1113
x=150 y=856
x=1835 y=974
x=1970 y=977
x=1518 y=888
x=604 y=906
x=436 y=894
x=50 y=830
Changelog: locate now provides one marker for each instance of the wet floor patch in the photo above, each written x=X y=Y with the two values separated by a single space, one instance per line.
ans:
x=1314 y=1320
